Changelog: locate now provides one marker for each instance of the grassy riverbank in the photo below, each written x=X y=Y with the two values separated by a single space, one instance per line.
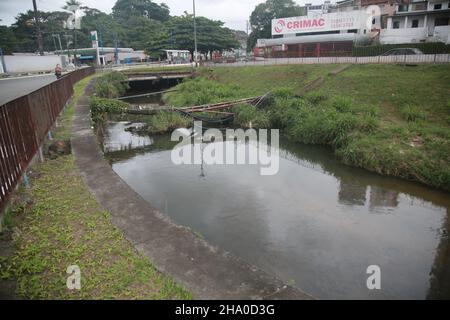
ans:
x=390 y=119
x=57 y=223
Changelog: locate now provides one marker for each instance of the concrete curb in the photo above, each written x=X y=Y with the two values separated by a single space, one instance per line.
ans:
x=208 y=272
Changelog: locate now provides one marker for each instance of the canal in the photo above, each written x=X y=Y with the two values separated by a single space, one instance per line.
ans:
x=317 y=224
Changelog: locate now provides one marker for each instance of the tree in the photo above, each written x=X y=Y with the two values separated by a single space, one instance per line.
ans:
x=127 y=24
x=127 y=9
x=72 y=3
x=179 y=35
x=107 y=28
x=8 y=41
x=25 y=33
x=261 y=17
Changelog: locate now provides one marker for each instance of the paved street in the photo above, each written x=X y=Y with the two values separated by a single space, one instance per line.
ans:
x=11 y=89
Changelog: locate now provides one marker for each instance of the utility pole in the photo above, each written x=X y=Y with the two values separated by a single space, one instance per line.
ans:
x=38 y=29
x=195 y=38
x=116 y=49
x=75 y=47
x=54 y=43
x=59 y=41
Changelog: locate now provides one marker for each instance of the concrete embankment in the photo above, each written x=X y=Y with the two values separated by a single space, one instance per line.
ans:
x=208 y=272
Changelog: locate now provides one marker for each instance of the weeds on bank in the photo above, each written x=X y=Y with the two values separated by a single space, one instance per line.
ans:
x=412 y=113
x=409 y=141
x=62 y=130
x=111 y=85
x=62 y=225
x=65 y=226
x=166 y=121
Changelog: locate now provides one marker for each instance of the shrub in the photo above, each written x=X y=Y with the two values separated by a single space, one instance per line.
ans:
x=100 y=107
x=111 y=85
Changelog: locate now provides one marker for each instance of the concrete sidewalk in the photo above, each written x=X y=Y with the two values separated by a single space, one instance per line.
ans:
x=208 y=272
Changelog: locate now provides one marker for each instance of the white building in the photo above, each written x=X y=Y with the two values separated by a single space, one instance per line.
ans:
x=333 y=29
x=418 y=21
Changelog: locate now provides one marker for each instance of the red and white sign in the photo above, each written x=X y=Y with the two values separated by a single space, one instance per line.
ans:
x=319 y=22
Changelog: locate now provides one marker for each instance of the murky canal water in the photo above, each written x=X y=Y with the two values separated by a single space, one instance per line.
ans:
x=317 y=224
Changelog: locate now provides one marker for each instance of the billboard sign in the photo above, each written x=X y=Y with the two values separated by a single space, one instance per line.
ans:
x=94 y=39
x=317 y=22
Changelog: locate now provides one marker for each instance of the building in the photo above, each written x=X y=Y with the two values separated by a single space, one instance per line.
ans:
x=333 y=29
x=418 y=21
x=324 y=31
x=178 y=56
x=107 y=55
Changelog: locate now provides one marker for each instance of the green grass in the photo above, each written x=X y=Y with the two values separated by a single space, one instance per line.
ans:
x=63 y=225
x=62 y=130
x=426 y=87
x=390 y=119
x=260 y=80
x=166 y=121
x=111 y=85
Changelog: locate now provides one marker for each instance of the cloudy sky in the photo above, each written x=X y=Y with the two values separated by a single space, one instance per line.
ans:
x=233 y=12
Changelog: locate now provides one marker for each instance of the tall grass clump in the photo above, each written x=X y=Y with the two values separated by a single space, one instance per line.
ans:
x=166 y=121
x=342 y=104
x=201 y=91
x=111 y=85
x=316 y=97
x=248 y=116
x=412 y=113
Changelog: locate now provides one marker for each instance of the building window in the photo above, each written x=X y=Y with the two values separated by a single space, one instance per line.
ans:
x=415 y=24
x=438 y=6
x=403 y=8
x=396 y=25
x=420 y=6
x=441 y=22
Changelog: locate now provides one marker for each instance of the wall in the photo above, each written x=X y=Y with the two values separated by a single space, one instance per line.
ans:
x=408 y=59
x=403 y=35
x=442 y=33
x=30 y=63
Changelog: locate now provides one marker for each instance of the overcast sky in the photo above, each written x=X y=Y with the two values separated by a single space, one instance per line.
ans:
x=234 y=13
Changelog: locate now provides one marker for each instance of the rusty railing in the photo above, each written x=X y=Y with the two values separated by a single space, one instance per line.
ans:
x=24 y=124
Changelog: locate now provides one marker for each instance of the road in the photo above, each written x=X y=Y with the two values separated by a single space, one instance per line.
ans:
x=11 y=89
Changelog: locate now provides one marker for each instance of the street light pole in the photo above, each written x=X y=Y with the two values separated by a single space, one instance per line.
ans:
x=195 y=37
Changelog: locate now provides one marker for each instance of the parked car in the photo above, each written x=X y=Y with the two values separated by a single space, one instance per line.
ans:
x=402 y=52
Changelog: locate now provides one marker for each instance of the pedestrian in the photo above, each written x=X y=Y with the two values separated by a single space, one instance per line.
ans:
x=58 y=71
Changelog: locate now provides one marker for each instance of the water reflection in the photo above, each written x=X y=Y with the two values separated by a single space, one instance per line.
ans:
x=119 y=137
x=352 y=192
x=318 y=224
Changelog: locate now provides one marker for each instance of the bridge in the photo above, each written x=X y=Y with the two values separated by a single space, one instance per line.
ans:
x=148 y=76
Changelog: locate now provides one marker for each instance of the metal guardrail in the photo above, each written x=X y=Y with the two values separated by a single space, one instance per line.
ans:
x=24 y=124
